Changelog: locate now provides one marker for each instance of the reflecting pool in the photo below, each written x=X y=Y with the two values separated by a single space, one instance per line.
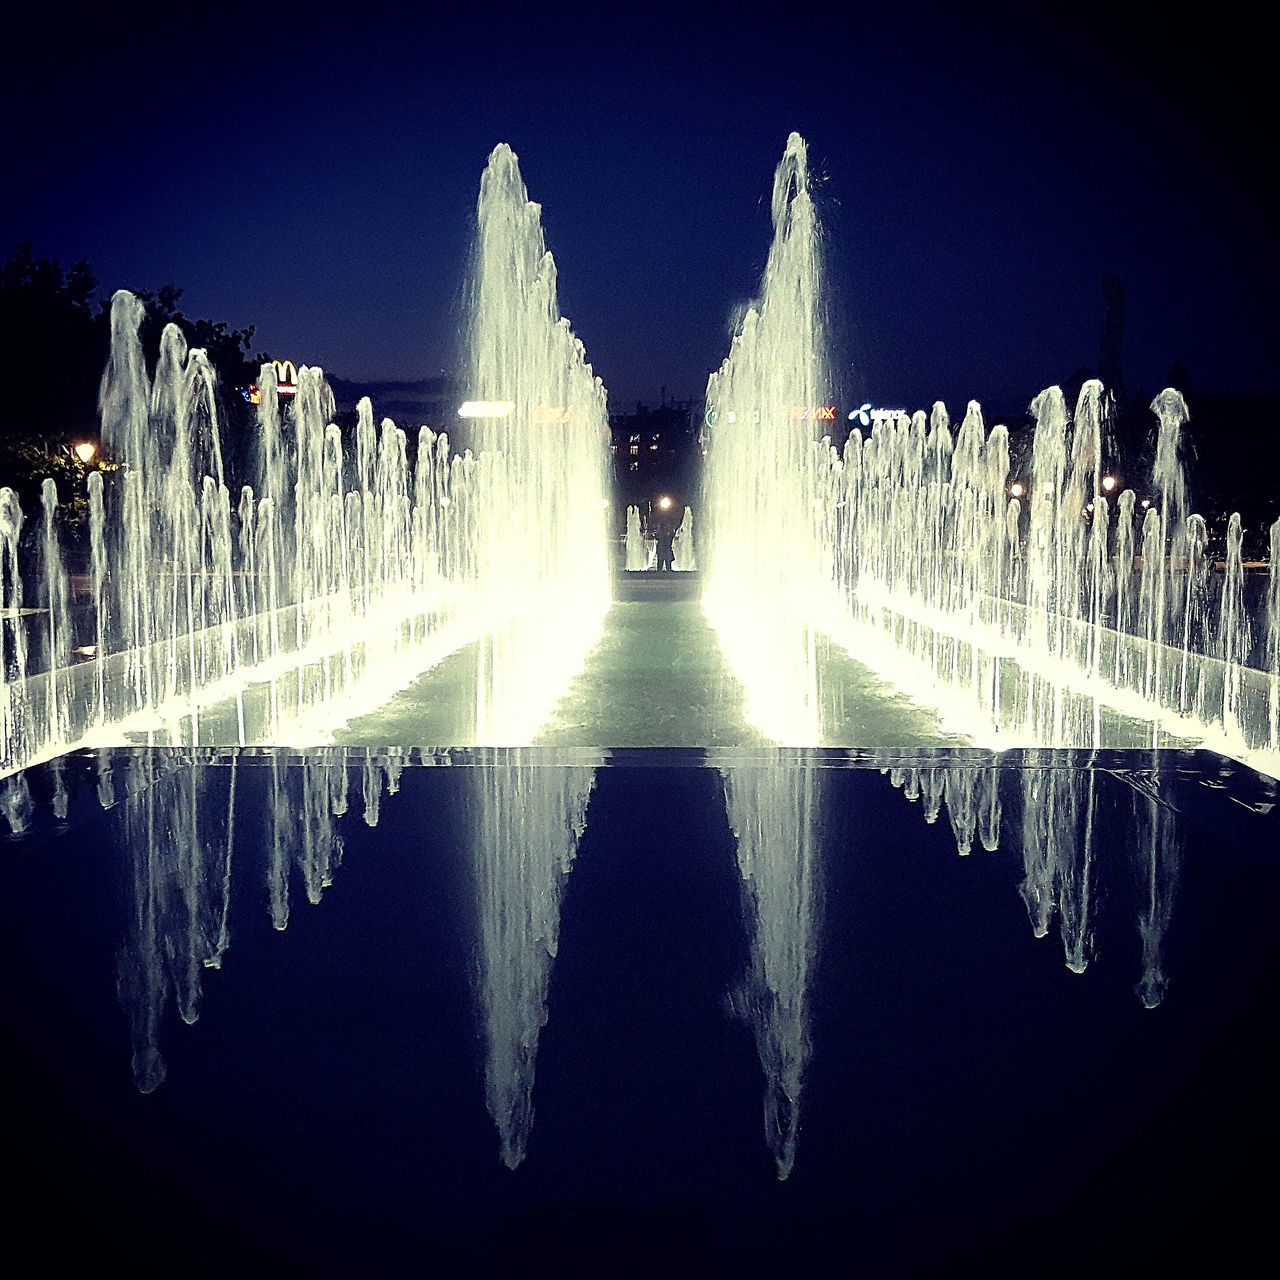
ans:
x=732 y=1006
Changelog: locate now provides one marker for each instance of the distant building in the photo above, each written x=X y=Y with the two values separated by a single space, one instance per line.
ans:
x=657 y=451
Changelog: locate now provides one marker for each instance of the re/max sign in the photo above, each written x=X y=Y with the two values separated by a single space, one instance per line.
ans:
x=813 y=413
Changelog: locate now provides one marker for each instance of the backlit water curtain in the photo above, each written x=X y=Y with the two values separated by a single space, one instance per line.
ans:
x=349 y=564
x=1026 y=610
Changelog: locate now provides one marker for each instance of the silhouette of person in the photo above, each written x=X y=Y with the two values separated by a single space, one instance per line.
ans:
x=666 y=545
x=666 y=536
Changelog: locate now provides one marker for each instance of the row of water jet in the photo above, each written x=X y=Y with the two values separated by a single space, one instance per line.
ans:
x=1030 y=608
x=347 y=563
x=302 y=579
x=543 y=560
x=765 y=561
x=1036 y=607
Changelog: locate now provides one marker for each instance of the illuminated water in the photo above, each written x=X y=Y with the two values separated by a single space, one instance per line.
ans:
x=1019 y=606
x=350 y=563
x=653 y=986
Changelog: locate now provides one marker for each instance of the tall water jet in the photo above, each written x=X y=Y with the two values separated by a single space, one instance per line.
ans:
x=763 y=512
x=1234 y=638
x=683 y=556
x=55 y=595
x=635 y=541
x=13 y=632
x=539 y=426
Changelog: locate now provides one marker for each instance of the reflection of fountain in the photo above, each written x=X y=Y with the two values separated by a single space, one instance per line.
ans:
x=178 y=826
x=1058 y=812
x=1159 y=845
x=525 y=821
x=774 y=814
x=1061 y=815
x=178 y=833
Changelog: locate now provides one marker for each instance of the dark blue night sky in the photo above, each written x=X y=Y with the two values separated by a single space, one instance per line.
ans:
x=317 y=178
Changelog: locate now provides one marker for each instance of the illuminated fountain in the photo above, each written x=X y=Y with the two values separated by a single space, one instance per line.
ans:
x=636 y=556
x=349 y=565
x=541 y=558
x=1045 y=623
x=683 y=556
x=766 y=534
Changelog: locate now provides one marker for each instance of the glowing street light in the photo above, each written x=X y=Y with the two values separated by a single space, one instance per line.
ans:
x=86 y=451
x=664 y=503
x=1017 y=489
x=1109 y=483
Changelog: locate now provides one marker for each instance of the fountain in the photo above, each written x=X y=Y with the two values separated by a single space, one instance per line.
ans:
x=635 y=541
x=762 y=490
x=683 y=555
x=1043 y=622
x=342 y=570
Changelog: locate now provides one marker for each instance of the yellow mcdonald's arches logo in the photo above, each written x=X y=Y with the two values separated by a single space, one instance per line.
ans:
x=286 y=374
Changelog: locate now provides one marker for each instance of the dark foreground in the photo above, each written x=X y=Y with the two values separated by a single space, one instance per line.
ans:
x=542 y=1009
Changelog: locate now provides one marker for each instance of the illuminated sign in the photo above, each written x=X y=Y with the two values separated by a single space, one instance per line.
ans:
x=286 y=382
x=864 y=415
x=813 y=413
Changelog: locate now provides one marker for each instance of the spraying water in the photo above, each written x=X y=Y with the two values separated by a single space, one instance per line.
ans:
x=543 y=567
x=636 y=554
x=761 y=482
x=348 y=563
x=683 y=555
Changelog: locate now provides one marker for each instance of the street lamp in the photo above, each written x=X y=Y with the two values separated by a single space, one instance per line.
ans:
x=1016 y=490
x=86 y=451
x=664 y=503
x=1109 y=483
